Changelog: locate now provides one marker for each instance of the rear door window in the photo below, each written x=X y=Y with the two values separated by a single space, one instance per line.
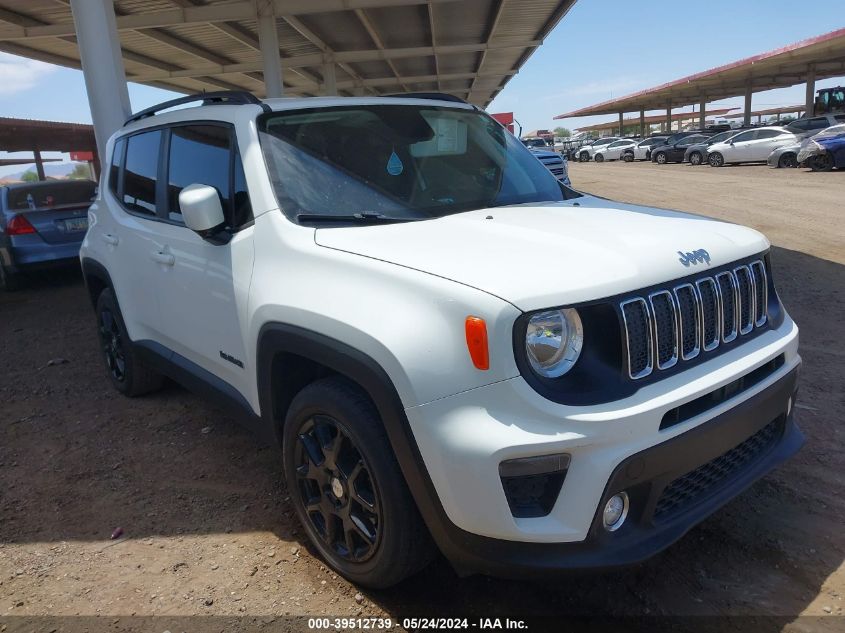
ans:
x=140 y=174
x=762 y=134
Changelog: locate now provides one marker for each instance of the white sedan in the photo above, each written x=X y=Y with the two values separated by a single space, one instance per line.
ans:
x=614 y=150
x=751 y=146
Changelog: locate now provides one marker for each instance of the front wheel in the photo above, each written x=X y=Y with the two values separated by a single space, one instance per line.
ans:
x=583 y=157
x=695 y=158
x=822 y=162
x=660 y=158
x=716 y=159
x=789 y=159
x=599 y=158
x=347 y=488
x=628 y=158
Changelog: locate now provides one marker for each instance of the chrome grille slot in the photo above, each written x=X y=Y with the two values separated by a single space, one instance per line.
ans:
x=665 y=325
x=710 y=313
x=761 y=292
x=745 y=295
x=638 y=337
x=726 y=284
x=689 y=320
x=672 y=326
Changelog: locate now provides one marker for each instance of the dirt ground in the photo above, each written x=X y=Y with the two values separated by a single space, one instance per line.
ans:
x=208 y=527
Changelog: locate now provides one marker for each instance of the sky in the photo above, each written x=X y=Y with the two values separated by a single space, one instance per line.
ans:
x=600 y=50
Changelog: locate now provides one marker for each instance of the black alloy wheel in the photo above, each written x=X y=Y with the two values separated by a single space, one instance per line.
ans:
x=336 y=489
x=112 y=343
x=788 y=159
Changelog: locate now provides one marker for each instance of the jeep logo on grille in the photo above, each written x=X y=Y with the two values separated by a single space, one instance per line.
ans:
x=694 y=257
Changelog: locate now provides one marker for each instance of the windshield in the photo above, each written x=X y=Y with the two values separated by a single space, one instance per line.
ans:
x=402 y=162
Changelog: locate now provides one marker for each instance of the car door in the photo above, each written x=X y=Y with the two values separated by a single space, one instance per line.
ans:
x=765 y=143
x=127 y=237
x=738 y=148
x=204 y=286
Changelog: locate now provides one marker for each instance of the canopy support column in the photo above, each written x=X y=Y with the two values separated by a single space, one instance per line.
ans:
x=669 y=117
x=621 y=124
x=39 y=164
x=746 y=116
x=102 y=67
x=268 y=42
x=702 y=114
x=810 y=96
x=329 y=79
x=642 y=122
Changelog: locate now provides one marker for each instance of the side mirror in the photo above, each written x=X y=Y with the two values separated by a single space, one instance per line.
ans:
x=202 y=212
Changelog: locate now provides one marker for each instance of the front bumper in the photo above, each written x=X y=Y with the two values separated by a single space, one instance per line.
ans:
x=611 y=450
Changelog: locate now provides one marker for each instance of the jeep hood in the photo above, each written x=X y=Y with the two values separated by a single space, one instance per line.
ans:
x=548 y=254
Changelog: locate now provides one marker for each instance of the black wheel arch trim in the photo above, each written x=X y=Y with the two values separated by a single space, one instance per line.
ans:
x=91 y=270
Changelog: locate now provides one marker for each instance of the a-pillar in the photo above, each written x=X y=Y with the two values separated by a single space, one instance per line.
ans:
x=102 y=67
x=268 y=42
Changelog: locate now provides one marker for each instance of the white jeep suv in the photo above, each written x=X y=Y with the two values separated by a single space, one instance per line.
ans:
x=450 y=347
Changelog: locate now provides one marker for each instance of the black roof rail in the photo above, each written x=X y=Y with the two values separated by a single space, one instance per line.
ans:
x=220 y=97
x=437 y=96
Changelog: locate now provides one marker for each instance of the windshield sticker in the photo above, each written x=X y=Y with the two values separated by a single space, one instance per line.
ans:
x=394 y=164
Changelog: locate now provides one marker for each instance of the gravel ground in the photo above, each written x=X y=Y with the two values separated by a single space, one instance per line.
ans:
x=208 y=527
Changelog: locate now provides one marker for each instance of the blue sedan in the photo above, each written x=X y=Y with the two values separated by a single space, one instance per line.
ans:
x=42 y=224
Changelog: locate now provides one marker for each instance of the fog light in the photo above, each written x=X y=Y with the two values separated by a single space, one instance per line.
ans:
x=615 y=511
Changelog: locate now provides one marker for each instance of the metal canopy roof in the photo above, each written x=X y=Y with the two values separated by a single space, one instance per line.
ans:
x=469 y=48
x=634 y=121
x=25 y=135
x=823 y=55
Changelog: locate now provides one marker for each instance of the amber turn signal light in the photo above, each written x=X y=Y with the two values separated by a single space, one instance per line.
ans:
x=476 y=331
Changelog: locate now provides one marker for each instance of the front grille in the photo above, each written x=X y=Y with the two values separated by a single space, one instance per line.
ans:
x=678 y=324
x=695 y=485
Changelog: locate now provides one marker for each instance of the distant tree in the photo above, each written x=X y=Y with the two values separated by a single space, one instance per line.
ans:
x=29 y=176
x=562 y=132
x=80 y=171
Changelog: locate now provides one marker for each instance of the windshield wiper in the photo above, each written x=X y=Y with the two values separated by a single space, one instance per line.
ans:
x=355 y=218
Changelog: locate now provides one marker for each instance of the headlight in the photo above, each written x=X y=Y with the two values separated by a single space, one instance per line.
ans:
x=553 y=341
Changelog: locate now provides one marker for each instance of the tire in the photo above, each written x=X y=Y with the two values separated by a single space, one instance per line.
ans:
x=127 y=373
x=9 y=281
x=695 y=158
x=347 y=488
x=599 y=158
x=822 y=162
x=716 y=159
x=628 y=158
x=661 y=158
x=583 y=157
x=788 y=159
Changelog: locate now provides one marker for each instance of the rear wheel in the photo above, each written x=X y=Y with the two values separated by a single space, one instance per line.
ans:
x=661 y=158
x=716 y=159
x=10 y=281
x=599 y=158
x=822 y=162
x=127 y=373
x=347 y=488
x=583 y=157
x=695 y=158
x=628 y=157
x=788 y=159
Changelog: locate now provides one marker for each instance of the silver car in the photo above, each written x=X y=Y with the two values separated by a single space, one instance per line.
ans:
x=786 y=156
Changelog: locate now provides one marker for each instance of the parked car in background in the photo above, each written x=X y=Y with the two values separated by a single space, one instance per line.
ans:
x=694 y=154
x=825 y=150
x=535 y=142
x=588 y=151
x=642 y=150
x=614 y=150
x=554 y=162
x=674 y=148
x=786 y=156
x=808 y=126
x=42 y=224
x=750 y=146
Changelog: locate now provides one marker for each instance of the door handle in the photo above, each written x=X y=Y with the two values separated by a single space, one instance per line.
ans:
x=163 y=258
x=108 y=238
